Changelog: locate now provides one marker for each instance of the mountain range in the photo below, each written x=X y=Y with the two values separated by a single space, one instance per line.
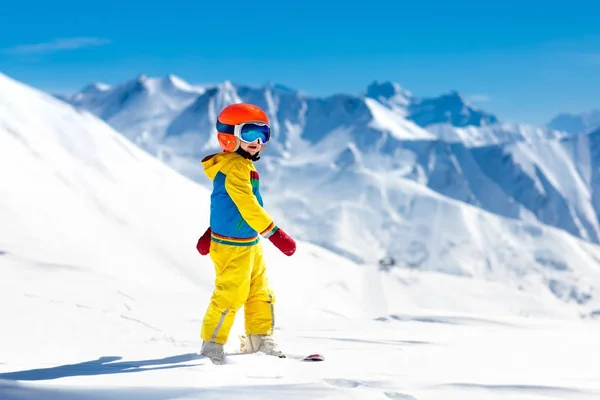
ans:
x=75 y=192
x=148 y=109
x=446 y=143
x=338 y=169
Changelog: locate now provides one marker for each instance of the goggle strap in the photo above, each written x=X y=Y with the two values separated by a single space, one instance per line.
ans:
x=225 y=128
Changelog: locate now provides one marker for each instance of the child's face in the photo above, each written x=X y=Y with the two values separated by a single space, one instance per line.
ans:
x=251 y=148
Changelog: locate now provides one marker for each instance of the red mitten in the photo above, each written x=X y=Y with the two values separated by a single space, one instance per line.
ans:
x=283 y=242
x=203 y=245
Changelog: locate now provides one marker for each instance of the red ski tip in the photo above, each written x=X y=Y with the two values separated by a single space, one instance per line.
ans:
x=314 y=357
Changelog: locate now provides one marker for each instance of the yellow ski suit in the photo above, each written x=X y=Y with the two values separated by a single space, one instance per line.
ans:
x=237 y=219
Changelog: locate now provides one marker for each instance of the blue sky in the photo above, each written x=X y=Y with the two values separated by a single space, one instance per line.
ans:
x=524 y=61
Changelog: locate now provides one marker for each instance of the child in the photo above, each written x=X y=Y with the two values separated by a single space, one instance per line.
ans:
x=237 y=219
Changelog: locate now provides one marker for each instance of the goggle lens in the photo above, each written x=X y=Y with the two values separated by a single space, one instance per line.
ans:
x=251 y=132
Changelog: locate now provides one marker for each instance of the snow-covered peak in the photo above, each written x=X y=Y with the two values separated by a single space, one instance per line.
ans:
x=450 y=108
x=226 y=94
x=168 y=84
x=140 y=108
x=389 y=92
x=154 y=86
x=176 y=82
x=95 y=88
x=576 y=123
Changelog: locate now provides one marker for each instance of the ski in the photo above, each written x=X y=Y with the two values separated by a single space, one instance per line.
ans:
x=296 y=357
x=306 y=358
x=314 y=357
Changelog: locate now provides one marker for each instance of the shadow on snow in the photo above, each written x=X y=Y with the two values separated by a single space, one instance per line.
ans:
x=101 y=366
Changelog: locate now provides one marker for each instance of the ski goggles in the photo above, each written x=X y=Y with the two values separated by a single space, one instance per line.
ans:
x=247 y=131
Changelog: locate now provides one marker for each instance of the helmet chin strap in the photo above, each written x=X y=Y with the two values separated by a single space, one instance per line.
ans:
x=247 y=155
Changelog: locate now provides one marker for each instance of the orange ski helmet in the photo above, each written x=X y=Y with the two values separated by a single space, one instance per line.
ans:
x=232 y=121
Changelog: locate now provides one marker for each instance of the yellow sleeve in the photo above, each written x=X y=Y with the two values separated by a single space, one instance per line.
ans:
x=239 y=188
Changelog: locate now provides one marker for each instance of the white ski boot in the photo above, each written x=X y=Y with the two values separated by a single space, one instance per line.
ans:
x=213 y=351
x=260 y=343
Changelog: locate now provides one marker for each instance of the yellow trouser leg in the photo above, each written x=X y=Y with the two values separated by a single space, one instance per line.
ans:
x=233 y=268
x=259 y=315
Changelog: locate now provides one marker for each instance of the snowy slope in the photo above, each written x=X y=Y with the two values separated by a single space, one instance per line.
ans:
x=427 y=231
x=498 y=133
x=62 y=168
x=538 y=179
x=103 y=292
x=552 y=181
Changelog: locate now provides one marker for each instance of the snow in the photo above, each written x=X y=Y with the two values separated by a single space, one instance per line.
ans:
x=362 y=145
x=141 y=108
x=399 y=127
x=106 y=339
x=366 y=145
x=563 y=171
x=492 y=134
x=103 y=292
x=390 y=94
